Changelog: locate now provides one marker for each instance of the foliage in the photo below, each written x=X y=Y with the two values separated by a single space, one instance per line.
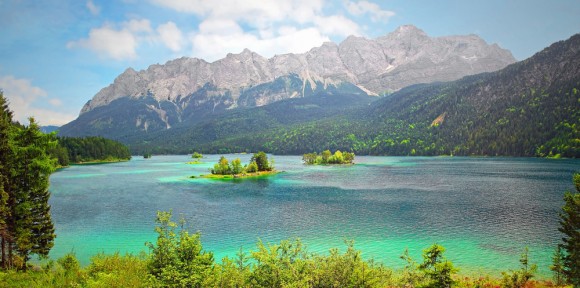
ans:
x=252 y=167
x=436 y=268
x=89 y=149
x=177 y=259
x=258 y=163
x=557 y=266
x=410 y=276
x=326 y=157
x=118 y=271
x=570 y=227
x=26 y=226
x=519 y=278
x=222 y=167
x=261 y=159
x=196 y=155
x=236 y=166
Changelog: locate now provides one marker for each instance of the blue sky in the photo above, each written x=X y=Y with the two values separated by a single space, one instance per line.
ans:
x=55 y=55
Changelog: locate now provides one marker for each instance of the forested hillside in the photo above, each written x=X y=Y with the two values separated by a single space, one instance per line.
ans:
x=531 y=108
x=72 y=150
x=242 y=123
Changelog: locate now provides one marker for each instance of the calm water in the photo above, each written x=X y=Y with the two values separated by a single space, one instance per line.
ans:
x=483 y=210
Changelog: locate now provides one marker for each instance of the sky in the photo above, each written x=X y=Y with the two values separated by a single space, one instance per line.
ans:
x=55 y=55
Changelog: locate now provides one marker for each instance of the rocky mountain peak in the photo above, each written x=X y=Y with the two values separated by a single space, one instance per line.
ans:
x=404 y=57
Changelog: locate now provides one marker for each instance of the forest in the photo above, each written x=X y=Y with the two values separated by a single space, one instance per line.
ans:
x=76 y=150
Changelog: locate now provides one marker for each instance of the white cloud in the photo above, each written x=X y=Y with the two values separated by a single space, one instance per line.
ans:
x=94 y=9
x=120 y=42
x=266 y=27
x=171 y=36
x=109 y=42
x=22 y=96
x=365 y=7
x=251 y=11
x=230 y=38
x=337 y=25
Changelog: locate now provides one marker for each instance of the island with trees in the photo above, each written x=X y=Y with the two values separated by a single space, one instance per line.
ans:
x=196 y=158
x=326 y=157
x=259 y=166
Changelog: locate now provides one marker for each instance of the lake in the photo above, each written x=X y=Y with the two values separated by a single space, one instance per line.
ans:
x=483 y=210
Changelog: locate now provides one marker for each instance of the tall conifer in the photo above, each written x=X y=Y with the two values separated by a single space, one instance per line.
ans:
x=34 y=230
x=570 y=227
x=5 y=157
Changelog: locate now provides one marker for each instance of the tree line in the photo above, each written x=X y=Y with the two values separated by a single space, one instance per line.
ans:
x=88 y=149
x=326 y=157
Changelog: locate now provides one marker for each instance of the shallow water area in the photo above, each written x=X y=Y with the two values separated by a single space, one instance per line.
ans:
x=483 y=210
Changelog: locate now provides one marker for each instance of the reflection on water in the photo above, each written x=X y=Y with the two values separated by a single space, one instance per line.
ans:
x=483 y=210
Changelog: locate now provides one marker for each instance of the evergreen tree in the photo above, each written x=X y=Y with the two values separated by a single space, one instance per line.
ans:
x=436 y=267
x=33 y=227
x=570 y=227
x=5 y=158
x=558 y=266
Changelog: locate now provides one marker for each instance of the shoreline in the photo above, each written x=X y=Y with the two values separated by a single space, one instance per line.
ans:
x=237 y=176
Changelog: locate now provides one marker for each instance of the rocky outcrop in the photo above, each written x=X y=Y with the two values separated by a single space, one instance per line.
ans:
x=376 y=66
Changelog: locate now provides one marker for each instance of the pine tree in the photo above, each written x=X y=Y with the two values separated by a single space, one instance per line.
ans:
x=33 y=227
x=437 y=268
x=557 y=266
x=570 y=227
x=5 y=157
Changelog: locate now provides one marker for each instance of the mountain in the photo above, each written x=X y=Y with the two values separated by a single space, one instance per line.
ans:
x=49 y=128
x=529 y=108
x=187 y=91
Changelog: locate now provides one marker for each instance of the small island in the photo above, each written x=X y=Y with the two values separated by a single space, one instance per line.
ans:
x=196 y=155
x=196 y=158
x=326 y=157
x=259 y=166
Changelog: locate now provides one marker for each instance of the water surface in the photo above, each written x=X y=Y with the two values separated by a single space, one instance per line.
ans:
x=483 y=210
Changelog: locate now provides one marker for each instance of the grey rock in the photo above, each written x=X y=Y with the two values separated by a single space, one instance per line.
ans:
x=404 y=57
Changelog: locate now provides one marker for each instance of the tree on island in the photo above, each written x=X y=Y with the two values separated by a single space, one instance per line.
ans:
x=196 y=155
x=569 y=260
x=326 y=157
x=258 y=163
x=261 y=159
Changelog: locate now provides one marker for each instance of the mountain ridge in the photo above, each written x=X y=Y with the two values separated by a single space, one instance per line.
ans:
x=323 y=64
x=185 y=91
x=530 y=108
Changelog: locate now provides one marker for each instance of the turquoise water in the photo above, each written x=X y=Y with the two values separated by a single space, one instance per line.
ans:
x=483 y=210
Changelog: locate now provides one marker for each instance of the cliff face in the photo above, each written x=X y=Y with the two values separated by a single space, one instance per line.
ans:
x=404 y=57
x=189 y=88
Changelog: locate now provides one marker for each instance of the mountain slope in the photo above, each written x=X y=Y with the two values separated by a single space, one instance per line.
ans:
x=188 y=90
x=530 y=108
